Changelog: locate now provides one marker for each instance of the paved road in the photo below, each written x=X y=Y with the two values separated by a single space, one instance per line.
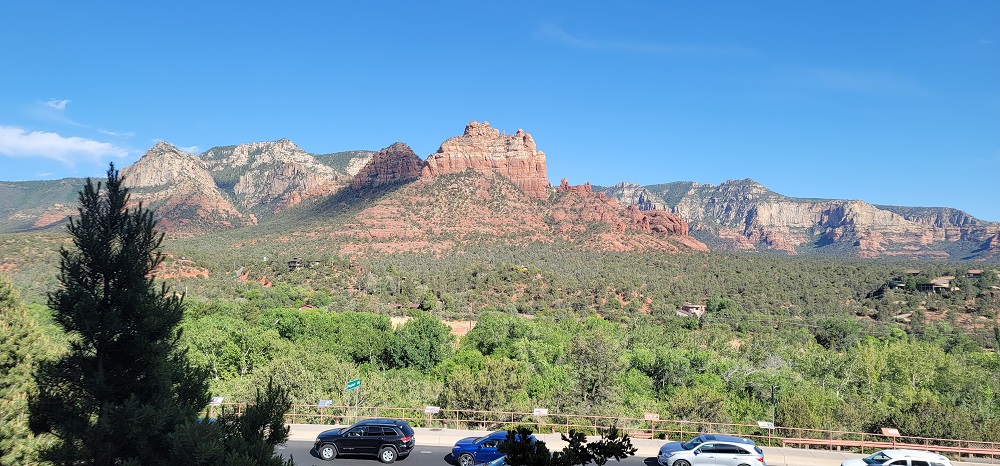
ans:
x=438 y=442
x=300 y=451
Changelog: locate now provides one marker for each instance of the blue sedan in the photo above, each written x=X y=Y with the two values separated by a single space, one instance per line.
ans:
x=473 y=450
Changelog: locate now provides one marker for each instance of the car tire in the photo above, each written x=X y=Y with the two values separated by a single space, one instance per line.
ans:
x=681 y=463
x=466 y=459
x=387 y=455
x=327 y=451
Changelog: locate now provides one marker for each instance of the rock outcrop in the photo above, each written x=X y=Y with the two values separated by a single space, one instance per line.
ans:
x=393 y=165
x=637 y=195
x=744 y=215
x=575 y=210
x=180 y=189
x=486 y=150
x=269 y=177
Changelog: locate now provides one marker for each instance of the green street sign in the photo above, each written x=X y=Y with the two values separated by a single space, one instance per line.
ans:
x=353 y=384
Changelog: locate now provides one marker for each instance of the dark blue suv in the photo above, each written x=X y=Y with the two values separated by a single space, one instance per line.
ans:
x=385 y=439
x=473 y=450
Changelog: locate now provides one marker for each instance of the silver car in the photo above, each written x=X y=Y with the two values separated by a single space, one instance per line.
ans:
x=711 y=453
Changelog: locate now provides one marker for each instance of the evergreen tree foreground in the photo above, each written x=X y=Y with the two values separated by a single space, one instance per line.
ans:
x=124 y=393
x=522 y=450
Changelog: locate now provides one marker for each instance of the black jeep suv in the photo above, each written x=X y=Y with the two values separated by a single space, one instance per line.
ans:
x=386 y=439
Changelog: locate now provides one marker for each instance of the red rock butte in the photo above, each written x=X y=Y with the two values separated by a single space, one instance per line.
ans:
x=487 y=150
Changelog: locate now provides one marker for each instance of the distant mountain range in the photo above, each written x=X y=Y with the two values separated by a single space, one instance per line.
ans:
x=490 y=186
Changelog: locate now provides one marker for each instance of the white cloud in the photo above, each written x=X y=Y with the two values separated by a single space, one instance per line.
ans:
x=985 y=41
x=58 y=104
x=16 y=142
x=557 y=34
x=117 y=134
x=190 y=149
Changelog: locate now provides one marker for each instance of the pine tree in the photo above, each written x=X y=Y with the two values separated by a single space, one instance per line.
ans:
x=124 y=386
x=21 y=343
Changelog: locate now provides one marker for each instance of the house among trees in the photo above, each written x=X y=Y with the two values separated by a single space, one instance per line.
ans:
x=912 y=272
x=688 y=310
x=297 y=264
x=937 y=284
x=974 y=274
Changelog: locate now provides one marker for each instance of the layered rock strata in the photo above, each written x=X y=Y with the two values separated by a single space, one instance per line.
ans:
x=486 y=150
x=393 y=165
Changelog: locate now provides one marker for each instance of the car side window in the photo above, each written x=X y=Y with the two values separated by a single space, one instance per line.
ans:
x=491 y=443
x=356 y=432
x=918 y=463
x=740 y=450
x=895 y=463
x=707 y=448
x=373 y=432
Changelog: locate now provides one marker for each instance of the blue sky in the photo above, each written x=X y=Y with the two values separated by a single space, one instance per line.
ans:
x=890 y=102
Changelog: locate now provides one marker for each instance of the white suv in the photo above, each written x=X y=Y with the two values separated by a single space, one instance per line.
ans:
x=900 y=458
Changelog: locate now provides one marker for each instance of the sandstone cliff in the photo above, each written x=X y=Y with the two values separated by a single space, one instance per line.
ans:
x=744 y=215
x=637 y=195
x=271 y=176
x=486 y=150
x=393 y=165
x=181 y=190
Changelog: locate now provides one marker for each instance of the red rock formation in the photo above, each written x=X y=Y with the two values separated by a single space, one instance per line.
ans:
x=394 y=164
x=657 y=221
x=580 y=189
x=486 y=150
x=181 y=191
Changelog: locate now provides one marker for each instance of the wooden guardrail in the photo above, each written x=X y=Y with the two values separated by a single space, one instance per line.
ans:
x=863 y=442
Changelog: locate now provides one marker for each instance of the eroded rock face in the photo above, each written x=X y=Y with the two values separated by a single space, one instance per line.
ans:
x=637 y=195
x=486 y=150
x=579 y=207
x=272 y=176
x=744 y=215
x=181 y=191
x=393 y=165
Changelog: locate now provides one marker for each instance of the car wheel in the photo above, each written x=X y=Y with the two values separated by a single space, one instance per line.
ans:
x=681 y=463
x=387 y=455
x=327 y=451
x=744 y=464
x=466 y=460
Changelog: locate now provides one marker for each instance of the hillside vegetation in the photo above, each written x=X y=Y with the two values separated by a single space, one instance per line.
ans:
x=584 y=332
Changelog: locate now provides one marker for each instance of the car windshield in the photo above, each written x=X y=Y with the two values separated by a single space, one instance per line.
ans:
x=691 y=444
x=877 y=458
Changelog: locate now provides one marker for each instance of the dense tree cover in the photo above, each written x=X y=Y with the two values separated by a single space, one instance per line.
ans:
x=22 y=345
x=124 y=391
x=598 y=333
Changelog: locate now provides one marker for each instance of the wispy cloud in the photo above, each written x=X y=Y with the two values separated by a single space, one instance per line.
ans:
x=867 y=82
x=190 y=149
x=985 y=41
x=17 y=142
x=58 y=104
x=117 y=134
x=555 y=33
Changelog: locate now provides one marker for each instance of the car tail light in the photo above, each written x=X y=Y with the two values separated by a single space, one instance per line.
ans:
x=761 y=459
x=406 y=439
